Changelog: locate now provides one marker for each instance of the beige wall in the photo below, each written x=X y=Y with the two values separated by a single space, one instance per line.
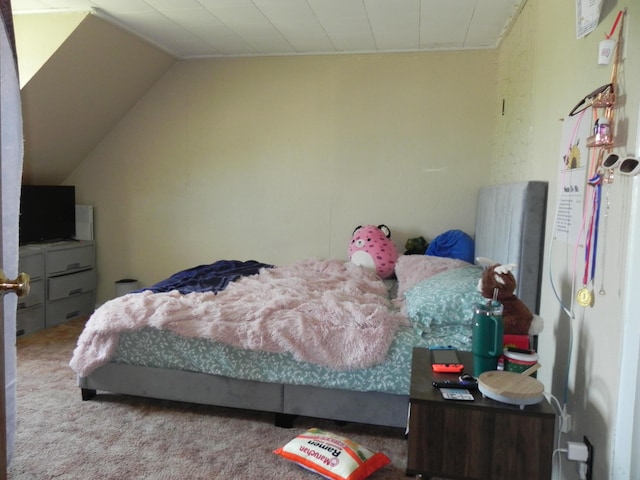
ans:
x=81 y=92
x=39 y=36
x=278 y=159
x=543 y=72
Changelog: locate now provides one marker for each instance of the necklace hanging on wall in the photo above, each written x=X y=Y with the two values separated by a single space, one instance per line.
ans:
x=605 y=229
x=584 y=296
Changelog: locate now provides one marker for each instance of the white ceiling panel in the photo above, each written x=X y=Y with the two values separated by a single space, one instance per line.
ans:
x=115 y=7
x=485 y=27
x=445 y=25
x=336 y=14
x=212 y=4
x=346 y=23
x=395 y=25
x=170 y=5
x=197 y=28
x=251 y=25
x=244 y=17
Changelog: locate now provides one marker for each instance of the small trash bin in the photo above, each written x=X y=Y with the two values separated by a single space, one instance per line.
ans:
x=125 y=286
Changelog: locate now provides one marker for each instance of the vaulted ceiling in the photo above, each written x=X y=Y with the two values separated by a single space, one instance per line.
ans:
x=196 y=28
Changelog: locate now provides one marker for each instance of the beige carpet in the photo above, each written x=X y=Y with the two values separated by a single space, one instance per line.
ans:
x=117 y=437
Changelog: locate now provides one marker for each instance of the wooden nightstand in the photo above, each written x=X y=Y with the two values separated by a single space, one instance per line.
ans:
x=483 y=439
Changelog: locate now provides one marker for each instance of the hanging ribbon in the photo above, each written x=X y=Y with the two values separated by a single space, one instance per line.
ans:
x=615 y=24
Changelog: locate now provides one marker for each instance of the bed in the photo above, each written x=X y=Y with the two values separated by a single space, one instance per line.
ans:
x=363 y=380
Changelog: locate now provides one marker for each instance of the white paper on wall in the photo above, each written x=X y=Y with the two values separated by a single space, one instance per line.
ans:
x=587 y=16
x=572 y=180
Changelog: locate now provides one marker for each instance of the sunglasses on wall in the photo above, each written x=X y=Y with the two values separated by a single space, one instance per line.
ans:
x=601 y=97
x=629 y=166
x=612 y=161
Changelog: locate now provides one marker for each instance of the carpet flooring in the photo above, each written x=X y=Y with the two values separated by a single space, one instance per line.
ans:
x=121 y=437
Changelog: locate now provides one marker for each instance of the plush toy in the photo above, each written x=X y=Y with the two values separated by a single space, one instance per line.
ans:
x=371 y=247
x=416 y=246
x=516 y=316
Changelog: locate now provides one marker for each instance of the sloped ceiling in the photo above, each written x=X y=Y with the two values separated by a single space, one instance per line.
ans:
x=80 y=93
x=197 y=28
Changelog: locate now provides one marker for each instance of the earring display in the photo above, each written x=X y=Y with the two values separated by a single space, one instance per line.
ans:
x=602 y=136
x=608 y=167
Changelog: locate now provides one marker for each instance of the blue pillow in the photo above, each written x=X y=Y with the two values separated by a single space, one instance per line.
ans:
x=452 y=244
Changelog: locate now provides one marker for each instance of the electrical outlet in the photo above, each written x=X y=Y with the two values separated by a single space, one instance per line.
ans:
x=589 y=475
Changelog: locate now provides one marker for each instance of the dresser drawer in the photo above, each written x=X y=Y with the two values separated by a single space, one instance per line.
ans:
x=67 y=260
x=70 y=285
x=32 y=264
x=35 y=297
x=63 y=310
x=30 y=320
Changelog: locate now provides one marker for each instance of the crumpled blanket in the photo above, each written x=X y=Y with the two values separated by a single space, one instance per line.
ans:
x=328 y=312
x=207 y=278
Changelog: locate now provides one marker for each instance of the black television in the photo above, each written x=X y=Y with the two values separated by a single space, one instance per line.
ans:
x=47 y=213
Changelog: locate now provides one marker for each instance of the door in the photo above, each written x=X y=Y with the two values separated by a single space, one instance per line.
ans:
x=10 y=177
x=626 y=462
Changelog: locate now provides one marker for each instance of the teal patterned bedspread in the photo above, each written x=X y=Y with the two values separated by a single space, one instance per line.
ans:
x=162 y=349
x=424 y=304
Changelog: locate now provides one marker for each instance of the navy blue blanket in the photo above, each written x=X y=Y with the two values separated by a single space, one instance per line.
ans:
x=207 y=278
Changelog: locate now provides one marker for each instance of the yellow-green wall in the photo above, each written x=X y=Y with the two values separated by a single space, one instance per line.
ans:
x=543 y=71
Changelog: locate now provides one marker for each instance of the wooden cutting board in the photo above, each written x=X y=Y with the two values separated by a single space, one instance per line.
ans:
x=512 y=388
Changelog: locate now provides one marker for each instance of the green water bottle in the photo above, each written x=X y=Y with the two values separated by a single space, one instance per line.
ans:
x=487 y=340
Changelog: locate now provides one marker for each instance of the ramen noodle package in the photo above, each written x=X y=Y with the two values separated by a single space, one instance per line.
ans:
x=332 y=456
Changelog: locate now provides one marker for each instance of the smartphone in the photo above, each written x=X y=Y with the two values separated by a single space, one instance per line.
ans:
x=445 y=360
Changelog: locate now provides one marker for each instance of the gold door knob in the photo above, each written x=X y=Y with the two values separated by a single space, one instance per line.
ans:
x=20 y=286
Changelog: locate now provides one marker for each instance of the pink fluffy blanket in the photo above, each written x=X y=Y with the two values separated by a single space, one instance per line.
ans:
x=326 y=312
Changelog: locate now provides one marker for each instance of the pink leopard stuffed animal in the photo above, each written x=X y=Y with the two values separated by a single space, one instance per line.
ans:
x=371 y=247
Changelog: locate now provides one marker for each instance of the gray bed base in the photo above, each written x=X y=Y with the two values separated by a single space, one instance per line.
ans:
x=510 y=225
x=286 y=401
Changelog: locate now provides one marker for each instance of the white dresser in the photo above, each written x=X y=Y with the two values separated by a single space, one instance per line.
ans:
x=63 y=283
x=30 y=314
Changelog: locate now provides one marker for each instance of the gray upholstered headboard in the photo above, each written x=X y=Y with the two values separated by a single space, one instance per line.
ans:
x=510 y=221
